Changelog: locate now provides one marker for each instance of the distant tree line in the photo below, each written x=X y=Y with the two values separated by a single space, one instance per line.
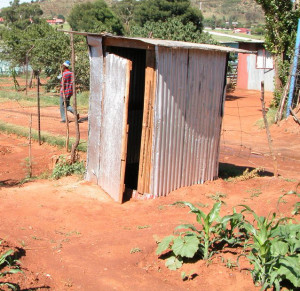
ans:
x=26 y=34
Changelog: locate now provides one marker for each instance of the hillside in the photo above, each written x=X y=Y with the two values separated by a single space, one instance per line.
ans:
x=243 y=11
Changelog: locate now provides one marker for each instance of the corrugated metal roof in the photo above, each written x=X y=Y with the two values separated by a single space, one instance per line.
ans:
x=166 y=43
x=184 y=45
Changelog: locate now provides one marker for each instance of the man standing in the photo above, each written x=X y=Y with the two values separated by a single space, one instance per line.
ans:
x=66 y=91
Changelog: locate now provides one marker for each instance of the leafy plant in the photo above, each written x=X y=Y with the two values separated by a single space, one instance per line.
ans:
x=7 y=260
x=191 y=240
x=65 y=168
x=273 y=250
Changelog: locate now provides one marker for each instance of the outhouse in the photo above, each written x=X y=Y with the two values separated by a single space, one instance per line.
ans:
x=155 y=113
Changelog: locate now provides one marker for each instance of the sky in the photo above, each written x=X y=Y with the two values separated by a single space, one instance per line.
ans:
x=5 y=3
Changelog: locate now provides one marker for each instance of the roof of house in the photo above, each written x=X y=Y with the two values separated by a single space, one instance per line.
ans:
x=150 y=43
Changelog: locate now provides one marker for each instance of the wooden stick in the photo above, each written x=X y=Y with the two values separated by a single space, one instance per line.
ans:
x=29 y=158
x=125 y=133
x=75 y=145
x=267 y=129
x=39 y=107
x=294 y=115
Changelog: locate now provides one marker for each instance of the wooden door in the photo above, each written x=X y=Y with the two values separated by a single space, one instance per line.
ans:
x=114 y=126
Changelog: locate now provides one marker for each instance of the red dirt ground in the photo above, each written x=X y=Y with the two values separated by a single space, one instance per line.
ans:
x=72 y=236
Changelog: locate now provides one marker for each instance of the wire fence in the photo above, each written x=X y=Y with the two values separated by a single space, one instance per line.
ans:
x=247 y=145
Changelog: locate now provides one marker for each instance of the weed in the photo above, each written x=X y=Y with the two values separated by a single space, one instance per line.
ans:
x=36 y=238
x=217 y=197
x=296 y=209
x=270 y=118
x=288 y=179
x=188 y=276
x=143 y=226
x=254 y=192
x=65 y=168
x=247 y=175
x=228 y=263
x=135 y=250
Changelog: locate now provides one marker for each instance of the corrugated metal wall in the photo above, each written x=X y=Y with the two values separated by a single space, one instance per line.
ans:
x=94 y=116
x=256 y=76
x=187 y=118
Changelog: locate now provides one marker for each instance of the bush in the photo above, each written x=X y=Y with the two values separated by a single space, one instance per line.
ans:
x=65 y=168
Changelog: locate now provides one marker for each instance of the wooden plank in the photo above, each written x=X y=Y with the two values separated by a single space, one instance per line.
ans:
x=145 y=159
x=149 y=140
x=125 y=132
x=129 y=43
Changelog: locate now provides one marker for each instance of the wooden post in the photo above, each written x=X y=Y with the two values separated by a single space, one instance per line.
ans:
x=29 y=158
x=39 y=107
x=267 y=129
x=146 y=139
x=75 y=145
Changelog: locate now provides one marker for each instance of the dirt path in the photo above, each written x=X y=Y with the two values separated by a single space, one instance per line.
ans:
x=72 y=236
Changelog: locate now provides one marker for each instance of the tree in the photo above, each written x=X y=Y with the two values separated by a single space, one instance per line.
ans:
x=163 y=10
x=173 y=29
x=21 y=15
x=94 y=17
x=60 y=16
x=125 y=9
x=48 y=47
x=281 y=25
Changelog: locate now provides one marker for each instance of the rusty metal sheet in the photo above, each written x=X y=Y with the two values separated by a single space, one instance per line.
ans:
x=112 y=124
x=94 y=117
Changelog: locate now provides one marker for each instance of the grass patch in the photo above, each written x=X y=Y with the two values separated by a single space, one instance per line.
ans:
x=271 y=114
x=46 y=99
x=46 y=137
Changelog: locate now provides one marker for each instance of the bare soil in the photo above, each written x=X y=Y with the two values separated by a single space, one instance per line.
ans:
x=69 y=235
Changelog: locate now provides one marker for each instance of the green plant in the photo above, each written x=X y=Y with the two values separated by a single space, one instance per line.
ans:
x=254 y=192
x=217 y=197
x=65 y=168
x=188 y=276
x=7 y=260
x=191 y=240
x=273 y=250
x=296 y=209
x=229 y=263
x=271 y=114
x=143 y=226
